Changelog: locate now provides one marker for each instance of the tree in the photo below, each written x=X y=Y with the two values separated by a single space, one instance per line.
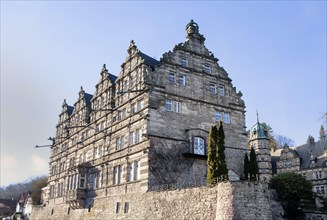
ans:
x=291 y=188
x=222 y=166
x=273 y=144
x=253 y=165
x=310 y=140
x=212 y=156
x=37 y=185
x=322 y=133
x=246 y=167
x=283 y=140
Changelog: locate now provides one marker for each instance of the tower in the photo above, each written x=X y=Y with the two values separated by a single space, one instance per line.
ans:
x=260 y=142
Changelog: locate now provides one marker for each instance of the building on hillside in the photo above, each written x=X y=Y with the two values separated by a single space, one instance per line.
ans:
x=309 y=160
x=24 y=205
x=147 y=127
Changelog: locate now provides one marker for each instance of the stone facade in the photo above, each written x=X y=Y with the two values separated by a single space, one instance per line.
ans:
x=228 y=200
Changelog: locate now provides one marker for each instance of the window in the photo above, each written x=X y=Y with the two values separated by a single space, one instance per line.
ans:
x=184 y=62
x=94 y=180
x=115 y=179
x=172 y=77
x=221 y=90
x=169 y=105
x=120 y=174
x=133 y=108
x=207 y=68
x=322 y=189
x=177 y=107
x=226 y=118
x=138 y=135
x=132 y=138
x=117 y=207
x=119 y=115
x=140 y=104
x=131 y=82
x=213 y=89
x=320 y=174
x=82 y=181
x=181 y=80
x=118 y=143
x=136 y=170
x=218 y=116
x=130 y=172
x=126 y=207
x=199 y=146
x=124 y=113
x=97 y=128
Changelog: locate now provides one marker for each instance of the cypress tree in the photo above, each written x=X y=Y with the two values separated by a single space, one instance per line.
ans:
x=212 y=160
x=246 y=167
x=222 y=166
x=253 y=165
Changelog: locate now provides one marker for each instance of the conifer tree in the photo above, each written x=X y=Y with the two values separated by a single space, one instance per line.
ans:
x=212 y=156
x=253 y=165
x=222 y=166
x=322 y=133
x=246 y=167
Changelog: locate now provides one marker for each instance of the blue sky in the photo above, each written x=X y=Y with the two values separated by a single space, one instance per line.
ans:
x=274 y=51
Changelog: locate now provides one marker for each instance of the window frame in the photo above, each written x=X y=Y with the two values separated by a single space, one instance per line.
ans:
x=181 y=80
x=169 y=102
x=199 y=141
x=172 y=77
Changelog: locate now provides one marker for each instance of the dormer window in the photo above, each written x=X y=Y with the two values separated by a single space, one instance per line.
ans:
x=184 y=62
x=207 y=68
x=198 y=146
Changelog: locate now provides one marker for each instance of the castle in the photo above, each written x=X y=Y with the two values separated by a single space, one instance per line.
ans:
x=147 y=131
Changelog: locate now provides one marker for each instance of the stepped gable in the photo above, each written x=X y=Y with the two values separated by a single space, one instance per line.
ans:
x=104 y=90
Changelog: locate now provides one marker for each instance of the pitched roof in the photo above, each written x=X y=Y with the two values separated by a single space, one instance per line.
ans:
x=70 y=109
x=88 y=98
x=149 y=60
x=112 y=77
x=316 y=150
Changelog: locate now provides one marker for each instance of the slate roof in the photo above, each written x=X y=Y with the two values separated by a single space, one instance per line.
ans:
x=70 y=109
x=305 y=151
x=149 y=60
x=88 y=98
x=317 y=151
x=112 y=77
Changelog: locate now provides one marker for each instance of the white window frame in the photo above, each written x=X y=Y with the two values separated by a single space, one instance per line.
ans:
x=181 y=80
x=82 y=181
x=218 y=116
x=222 y=90
x=140 y=104
x=213 y=88
x=132 y=138
x=227 y=119
x=134 y=108
x=120 y=174
x=136 y=170
x=131 y=171
x=172 y=77
x=198 y=142
x=178 y=107
x=169 y=104
x=207 y=68
x=115 y=175
x=138 y=135
x=184 y=62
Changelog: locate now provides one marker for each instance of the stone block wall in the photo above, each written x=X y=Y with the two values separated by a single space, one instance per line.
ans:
x=228 y=200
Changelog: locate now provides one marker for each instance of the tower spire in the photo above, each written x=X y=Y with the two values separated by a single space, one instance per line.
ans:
x=257 y=117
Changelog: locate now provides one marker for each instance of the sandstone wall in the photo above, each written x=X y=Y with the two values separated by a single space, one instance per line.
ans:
x=229 y=200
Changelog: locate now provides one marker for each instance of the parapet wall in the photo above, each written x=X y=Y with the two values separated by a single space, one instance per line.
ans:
x=228 y=200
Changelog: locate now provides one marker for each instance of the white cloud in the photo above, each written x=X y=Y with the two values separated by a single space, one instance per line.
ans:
x=8 y=161
x=39 y=165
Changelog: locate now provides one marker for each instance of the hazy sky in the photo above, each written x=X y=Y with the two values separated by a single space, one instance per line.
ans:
x=275 y=53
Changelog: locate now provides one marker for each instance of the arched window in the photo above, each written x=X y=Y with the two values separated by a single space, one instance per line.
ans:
x=198 y=146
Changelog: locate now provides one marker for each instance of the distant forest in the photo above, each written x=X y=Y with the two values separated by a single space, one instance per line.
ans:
x=33 y=185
